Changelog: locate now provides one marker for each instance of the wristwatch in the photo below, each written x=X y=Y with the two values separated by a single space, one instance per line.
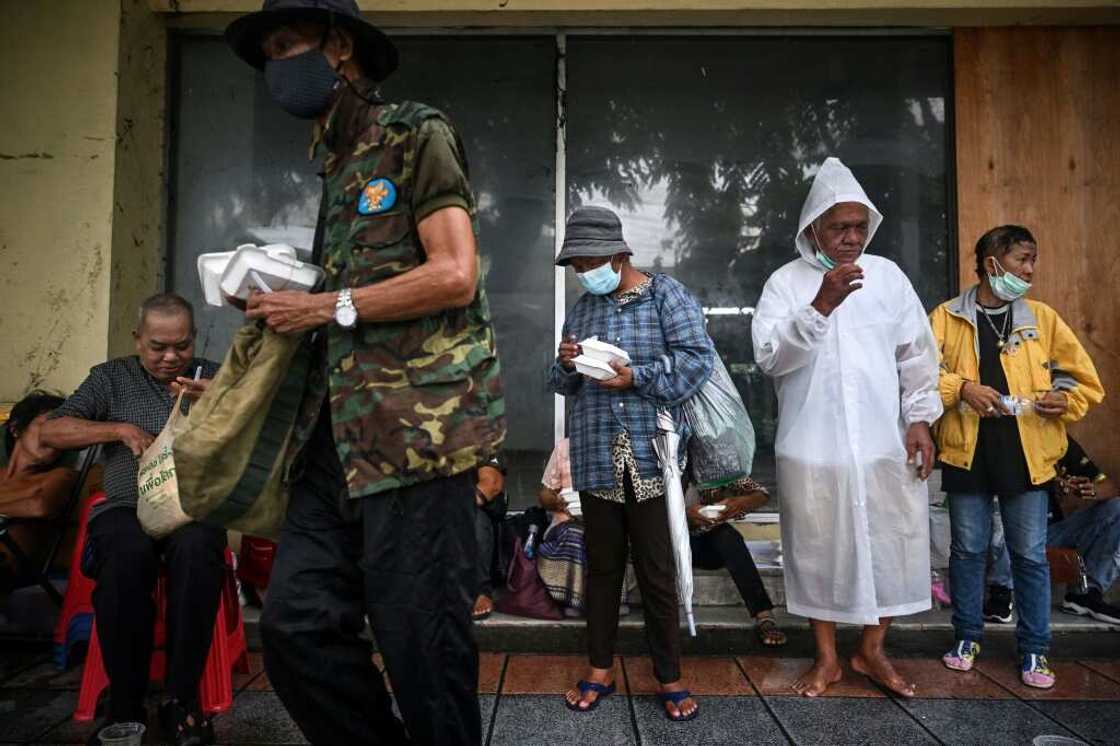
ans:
x=345 y=315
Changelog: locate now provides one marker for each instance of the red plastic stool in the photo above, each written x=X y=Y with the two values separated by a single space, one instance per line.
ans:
x=76 y=618
x=228 y=651
x=255 y=561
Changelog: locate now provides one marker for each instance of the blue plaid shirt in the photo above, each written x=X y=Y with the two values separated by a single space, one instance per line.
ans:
x=665 y=322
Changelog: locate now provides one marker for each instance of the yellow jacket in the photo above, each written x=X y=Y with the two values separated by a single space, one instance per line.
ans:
x=1042 y=354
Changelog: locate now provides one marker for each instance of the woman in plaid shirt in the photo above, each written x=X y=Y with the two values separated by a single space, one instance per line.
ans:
x=611 y=426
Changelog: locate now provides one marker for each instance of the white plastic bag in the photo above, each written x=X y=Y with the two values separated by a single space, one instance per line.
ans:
x=158 y=506
x=721 y=448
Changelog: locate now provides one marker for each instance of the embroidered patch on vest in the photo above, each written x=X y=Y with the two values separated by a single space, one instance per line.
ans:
x=378 y=196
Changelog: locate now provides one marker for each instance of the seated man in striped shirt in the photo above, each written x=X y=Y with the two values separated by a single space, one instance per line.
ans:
x=123 y=404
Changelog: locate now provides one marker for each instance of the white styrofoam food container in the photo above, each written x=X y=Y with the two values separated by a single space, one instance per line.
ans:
x=593 y=368
x=210 y=269
x=237 y=273
x=276 y=265
x=712 y=511
x=604 y=352
x=571 y=501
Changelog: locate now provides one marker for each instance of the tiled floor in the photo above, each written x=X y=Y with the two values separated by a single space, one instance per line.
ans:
x=744 y=700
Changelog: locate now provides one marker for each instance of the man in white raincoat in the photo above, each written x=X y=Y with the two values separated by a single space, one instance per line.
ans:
x=855 y=365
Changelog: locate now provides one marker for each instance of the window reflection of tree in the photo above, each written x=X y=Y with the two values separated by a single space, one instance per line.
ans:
x=499 y=94
x=731 y=132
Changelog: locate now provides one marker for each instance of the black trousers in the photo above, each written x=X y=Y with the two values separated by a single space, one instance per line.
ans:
x=723 y=546
x=407 y=559
x=607 y=525
x=125 y=562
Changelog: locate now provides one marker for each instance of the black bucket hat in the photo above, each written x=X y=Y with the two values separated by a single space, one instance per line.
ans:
x=592 y=231
x=374 y=50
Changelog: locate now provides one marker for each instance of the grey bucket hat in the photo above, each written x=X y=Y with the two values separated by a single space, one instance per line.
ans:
x=592 y=231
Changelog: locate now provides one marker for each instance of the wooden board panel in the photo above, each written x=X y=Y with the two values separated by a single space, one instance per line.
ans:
x=1038 y=144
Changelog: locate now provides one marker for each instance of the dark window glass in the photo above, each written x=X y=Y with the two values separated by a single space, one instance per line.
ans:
x=242 y=174
x=707 y=147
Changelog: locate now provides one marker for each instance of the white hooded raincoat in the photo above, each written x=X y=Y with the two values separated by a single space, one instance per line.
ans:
x=855 y=526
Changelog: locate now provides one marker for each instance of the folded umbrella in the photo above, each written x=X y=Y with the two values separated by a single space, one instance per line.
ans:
x=666 y=444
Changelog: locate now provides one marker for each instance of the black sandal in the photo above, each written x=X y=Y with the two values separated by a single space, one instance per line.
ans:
x=187 y=725
x=676 y=698
x=769 y=634
x=602 y=691
x=477 y=615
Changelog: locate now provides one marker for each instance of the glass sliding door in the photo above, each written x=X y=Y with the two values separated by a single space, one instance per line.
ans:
x=705 y=145
x=499 y=93
x=241 y=174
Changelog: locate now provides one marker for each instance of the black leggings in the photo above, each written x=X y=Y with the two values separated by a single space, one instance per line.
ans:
x=723 y=546
x=607 y=525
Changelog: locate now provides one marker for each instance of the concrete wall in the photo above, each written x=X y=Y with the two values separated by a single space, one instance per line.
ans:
x=58 y=91
x=683 y=13
x=139 y=189
x=867 y=12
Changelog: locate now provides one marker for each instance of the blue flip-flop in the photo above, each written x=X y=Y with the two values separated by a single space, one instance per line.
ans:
x=676 y=698
x=584 y=687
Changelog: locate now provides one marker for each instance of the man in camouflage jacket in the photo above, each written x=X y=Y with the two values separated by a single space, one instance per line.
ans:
x=404 y=403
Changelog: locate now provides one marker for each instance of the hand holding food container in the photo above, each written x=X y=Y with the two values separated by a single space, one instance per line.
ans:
x=713 y=512
x=568 y=351
x=596 y=358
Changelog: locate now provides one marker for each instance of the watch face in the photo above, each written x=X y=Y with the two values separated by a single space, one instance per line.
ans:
x=346 y=316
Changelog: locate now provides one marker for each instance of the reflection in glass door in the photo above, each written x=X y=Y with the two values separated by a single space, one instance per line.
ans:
x=241 y=174
x=705 y=145
x=706 y=148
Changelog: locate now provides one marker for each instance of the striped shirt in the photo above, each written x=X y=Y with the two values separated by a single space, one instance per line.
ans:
x=664 y=324
x=121 y=390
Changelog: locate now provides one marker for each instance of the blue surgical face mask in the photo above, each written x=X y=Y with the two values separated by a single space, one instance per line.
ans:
x=1007 y=287
x=825 y=260
x=601 y=280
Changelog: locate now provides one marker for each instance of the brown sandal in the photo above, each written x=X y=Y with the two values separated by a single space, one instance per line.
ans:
x=769 y=634
x=478 y=614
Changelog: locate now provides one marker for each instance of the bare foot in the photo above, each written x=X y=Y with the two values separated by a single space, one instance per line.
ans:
x=820 y=676
x=878 y=668
x=586 y=699
x=685 y=708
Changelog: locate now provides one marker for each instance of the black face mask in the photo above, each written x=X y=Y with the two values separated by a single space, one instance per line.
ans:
x=302 y=85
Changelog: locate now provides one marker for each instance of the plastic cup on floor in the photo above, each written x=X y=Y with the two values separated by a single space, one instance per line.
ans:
x=122 y=734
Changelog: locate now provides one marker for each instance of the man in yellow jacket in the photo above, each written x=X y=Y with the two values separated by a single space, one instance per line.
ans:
x=1012 y=376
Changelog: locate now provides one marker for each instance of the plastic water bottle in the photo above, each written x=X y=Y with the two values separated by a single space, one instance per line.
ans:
x=1016 y=406
x=1013 y=406
x=531 y=542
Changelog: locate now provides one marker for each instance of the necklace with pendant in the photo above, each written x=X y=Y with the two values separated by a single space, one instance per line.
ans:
x=1001 y=334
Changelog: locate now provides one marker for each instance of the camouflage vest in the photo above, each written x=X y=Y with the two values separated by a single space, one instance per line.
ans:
x=410 y=400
